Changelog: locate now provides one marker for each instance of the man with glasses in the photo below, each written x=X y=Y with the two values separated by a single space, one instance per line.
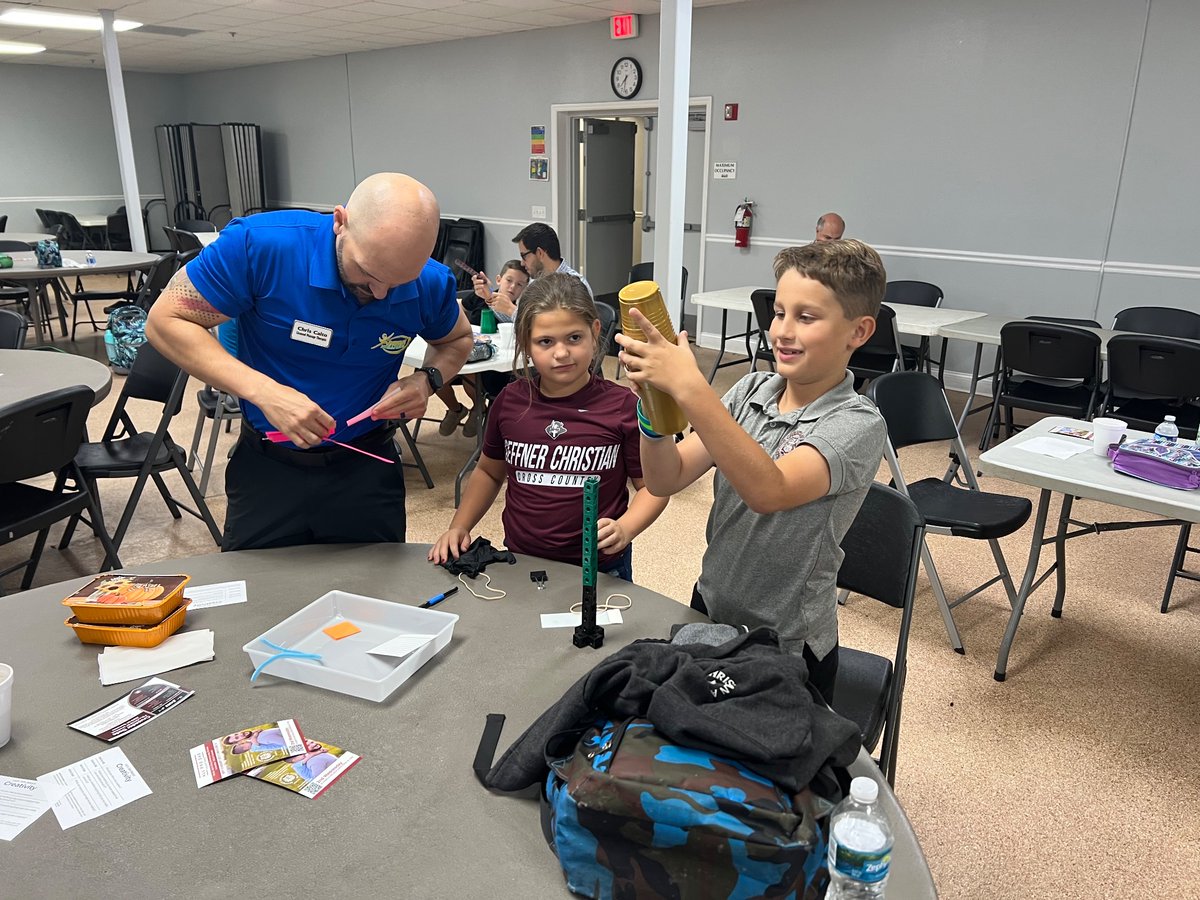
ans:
x=540 y=253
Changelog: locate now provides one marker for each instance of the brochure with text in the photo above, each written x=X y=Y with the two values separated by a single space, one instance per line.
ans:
x=141 y=705
x=242 y=750
x=310 y=773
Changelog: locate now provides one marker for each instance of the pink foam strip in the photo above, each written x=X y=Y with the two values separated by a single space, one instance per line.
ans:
x=362 y=415
x=363 y=452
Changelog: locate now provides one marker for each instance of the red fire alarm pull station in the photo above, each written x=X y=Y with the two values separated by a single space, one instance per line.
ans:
x=731 y=112
x=622 y=27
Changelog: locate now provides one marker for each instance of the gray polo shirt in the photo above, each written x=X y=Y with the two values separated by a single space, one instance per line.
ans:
x=780 y=569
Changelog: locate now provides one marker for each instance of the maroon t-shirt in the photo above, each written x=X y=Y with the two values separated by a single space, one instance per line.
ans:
x=549 y=446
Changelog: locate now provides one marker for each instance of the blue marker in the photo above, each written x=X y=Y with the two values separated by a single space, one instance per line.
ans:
x=434 y=601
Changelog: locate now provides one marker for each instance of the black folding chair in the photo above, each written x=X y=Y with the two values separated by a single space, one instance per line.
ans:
x=12 y=329
x=1161 y=320
x=882 y=555
x=916 y=412
x=39 y=436
x=763 y=301
x=144 y=295
x=195 y=225
x=608 y=327
x=916 y=293
x=125 y=452
x=1047 y=368
x=881 y=353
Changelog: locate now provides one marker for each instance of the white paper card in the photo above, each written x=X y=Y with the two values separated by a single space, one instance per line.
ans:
x=402 y=644
x=95 y=786
x=119 y=664
x=22 y=803
x=570 y=620
x=205 y=596
x=1052 y=446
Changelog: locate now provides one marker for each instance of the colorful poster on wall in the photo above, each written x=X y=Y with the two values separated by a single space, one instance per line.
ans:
x=537 y=139
x=539 y=168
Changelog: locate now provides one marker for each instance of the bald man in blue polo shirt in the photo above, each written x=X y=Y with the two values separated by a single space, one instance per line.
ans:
x=326 y=306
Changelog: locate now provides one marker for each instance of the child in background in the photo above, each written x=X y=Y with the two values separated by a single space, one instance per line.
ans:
x=795 y=451
x=545 y=434
x=510 y=284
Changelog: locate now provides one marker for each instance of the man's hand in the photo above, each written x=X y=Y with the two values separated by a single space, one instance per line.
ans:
x=656 y=361
x=291 y=412
x=483 y=289
x=406 y=398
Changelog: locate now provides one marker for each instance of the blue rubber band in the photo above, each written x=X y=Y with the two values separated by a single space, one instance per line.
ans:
x=284 y=653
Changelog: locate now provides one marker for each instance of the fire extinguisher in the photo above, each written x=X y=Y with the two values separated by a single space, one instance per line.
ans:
x=741 y=223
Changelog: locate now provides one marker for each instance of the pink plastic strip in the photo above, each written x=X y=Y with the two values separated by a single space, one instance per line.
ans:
x=366 y=413
x=363 y=452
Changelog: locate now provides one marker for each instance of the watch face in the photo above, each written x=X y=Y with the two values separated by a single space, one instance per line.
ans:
x=626 y=77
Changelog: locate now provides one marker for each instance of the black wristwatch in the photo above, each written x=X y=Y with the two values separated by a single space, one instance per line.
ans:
x=434 y=376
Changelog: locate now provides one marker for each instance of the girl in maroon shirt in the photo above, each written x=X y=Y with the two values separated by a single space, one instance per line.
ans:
x=548 y=431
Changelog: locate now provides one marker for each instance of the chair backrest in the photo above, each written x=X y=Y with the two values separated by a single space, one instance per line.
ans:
x=195 y=225
x=883 y=547
x=172 y=237
x=12 y=329
x=763 y=301
x=608 y=327
x=155 y=378
x=644 y=271
x=14 y=247
x=1050 y=350
x=1148 y=366
x=42 y=434
x=74 y=237
x=3 y=222
x=1064 y=320
x=1162 y=320
x=914 y=407
x=157 y=278
x=118 y=232
x=913 y=293
x=884 y=339
x=47 y=218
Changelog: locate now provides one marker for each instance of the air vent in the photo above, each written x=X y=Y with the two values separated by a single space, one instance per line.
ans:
x=168 y=31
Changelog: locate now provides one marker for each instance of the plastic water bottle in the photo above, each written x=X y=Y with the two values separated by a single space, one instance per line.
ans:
x=860 y=845
x=1167 y=431
x=90 y=258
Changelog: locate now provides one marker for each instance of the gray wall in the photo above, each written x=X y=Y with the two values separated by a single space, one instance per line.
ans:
x=1008 y=152
x=57 y=142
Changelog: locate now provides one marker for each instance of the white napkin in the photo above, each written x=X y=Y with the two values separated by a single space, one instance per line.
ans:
x=119 y=664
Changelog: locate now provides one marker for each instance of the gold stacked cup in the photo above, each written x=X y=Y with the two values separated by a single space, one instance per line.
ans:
x=661 y=409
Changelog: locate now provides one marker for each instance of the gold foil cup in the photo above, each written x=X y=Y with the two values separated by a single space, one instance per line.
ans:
x=661 y=409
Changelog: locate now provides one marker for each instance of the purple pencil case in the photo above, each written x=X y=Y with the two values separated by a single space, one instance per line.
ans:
x=1174 y=465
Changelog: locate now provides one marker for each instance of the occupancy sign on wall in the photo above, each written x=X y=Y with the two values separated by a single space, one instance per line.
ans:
x=723 y=170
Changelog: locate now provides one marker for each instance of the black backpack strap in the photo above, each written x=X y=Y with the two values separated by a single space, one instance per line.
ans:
x=487 y=746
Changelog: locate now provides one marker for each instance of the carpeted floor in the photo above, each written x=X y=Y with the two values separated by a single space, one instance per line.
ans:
x=1070 y=780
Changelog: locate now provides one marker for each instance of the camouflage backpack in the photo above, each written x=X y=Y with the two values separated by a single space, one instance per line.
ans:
x=630 y=814
x=125 y=335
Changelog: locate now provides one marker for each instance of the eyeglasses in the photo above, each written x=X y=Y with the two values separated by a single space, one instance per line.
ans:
x=525 y=253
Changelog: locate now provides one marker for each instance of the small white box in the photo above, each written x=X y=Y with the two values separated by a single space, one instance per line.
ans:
x=345 y=665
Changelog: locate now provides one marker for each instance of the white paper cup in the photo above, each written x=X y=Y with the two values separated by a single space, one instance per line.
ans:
x=1106 y=432
x=505 y=331
x=6 y=680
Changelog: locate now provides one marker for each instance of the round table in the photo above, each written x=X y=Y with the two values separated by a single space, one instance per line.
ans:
x=27 y=373
x=409 y=820
x=28 y=237
x=108 y=262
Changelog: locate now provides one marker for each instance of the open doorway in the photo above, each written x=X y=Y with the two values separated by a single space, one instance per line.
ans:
x=603 y=157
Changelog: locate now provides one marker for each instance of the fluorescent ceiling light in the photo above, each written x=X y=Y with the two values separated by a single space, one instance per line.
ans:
x=18 y=47
x=40 y=18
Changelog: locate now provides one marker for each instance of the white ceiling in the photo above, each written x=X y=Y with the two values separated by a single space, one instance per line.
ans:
x=202 y=35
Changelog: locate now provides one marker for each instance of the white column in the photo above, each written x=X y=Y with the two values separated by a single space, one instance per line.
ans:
x=120 y=114
x=674 y=74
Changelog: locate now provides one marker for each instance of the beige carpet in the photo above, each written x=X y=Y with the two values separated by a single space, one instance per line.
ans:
x=1071 y=780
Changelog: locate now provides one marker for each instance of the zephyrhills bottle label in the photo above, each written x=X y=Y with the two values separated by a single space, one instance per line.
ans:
x=865 y=866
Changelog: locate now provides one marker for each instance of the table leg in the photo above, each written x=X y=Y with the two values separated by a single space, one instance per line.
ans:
x=36 y=289
x=1060 y=555
x=1014 y=618
x=974 y=387
x=721 y=348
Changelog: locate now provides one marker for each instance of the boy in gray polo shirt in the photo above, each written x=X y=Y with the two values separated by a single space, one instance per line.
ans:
x=795 y=450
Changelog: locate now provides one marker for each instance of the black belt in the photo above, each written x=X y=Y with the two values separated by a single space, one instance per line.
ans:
x=321 y=455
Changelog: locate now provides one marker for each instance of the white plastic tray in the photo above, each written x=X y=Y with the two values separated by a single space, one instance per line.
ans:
x=345 y=664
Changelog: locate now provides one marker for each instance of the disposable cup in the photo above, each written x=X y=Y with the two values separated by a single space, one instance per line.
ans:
x=661 y=409
x=487 y=321
x=1106 y=432
x=6 y=681
x=505 y=332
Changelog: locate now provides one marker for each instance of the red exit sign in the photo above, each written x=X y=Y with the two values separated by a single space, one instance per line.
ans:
x=625 y=26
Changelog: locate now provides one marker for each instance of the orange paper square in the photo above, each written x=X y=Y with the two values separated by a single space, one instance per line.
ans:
x=341 y=630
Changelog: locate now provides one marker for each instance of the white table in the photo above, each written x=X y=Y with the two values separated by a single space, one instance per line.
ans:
x=93 y=221
x=28 y=373
x=205 y=237
x=108 y=262
x=25 y=237
x=1084 y=475
x=915 y=321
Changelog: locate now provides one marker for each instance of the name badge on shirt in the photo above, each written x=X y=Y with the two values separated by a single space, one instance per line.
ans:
x=308 y=333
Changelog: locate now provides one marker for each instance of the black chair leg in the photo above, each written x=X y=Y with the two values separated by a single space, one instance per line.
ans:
x=130 y=507
x=111 y=559
x=166 y=495
x=418 y=461
x=68 y=532
x=1181 y=549
x=31 y=567
x=198 y=498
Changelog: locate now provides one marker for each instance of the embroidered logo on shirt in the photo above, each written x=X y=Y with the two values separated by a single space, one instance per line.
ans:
x=794 y=439
x=556 y=429
x=720 y=684
x=395 y=344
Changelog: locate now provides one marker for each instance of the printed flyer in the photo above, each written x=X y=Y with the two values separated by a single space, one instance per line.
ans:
x=310 y=773
x=141 y=705
x=242 y=750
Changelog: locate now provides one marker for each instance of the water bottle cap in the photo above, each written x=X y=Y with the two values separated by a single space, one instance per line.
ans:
x=1168 y=418
x=864 y=789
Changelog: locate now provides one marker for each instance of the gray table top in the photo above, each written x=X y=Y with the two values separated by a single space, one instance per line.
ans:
x=29 y=237
x=409 y=820
x=25 y=266
x=27 y=373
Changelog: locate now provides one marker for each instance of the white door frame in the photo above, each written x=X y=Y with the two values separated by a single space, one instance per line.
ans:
x=561 y=160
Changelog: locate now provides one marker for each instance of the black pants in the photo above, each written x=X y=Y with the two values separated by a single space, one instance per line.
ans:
x=822 y=673
x=280 y=497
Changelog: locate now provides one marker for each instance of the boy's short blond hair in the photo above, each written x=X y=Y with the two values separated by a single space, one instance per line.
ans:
x=849 y=268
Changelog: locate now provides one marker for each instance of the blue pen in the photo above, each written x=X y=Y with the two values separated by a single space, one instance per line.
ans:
x=434 y=601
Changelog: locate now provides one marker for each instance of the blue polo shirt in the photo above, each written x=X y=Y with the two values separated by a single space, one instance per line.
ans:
x=276 y=273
